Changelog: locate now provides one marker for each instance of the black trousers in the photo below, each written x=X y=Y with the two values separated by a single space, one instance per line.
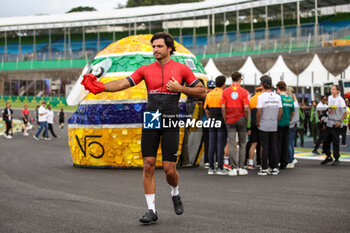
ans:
x=8 y=127
x=343 y=134
x=268 y=141
x=332 y=136
x=300 y=133
x=320 y=138
x=51 y=130
x=205 y=140
x=283 y=145
x=217 y=143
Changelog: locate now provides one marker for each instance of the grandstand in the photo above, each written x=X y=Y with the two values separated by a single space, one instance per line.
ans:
x=222 y=28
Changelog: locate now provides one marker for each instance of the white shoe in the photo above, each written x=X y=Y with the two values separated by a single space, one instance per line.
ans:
x=295 y=161
x=47 y=139
x=233 y=172
x=242 y=172
x=9 y=137
x=206 y=165
x=211 y=171
x=222 y=172
x=290 y=165
x=25 y=134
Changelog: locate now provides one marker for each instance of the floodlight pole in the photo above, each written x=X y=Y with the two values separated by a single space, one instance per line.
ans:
x=316 y=22
x=98 y=41
x=298 y=23
x=213 y=26
x=180 y=32
x=252 y=36
x=208 y=36
x=238 y=36
x=69 y=43
x=195 y=34
x=20 y=47
x=64 y=43
x=282 y=27
x=5 y=45
x=266 y=27
x=83 y=41
x=225 y=33
x=50 y=45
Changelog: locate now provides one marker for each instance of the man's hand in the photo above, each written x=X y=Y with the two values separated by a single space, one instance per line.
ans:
x=337 y=125
x=92 y=85
x=174 y=85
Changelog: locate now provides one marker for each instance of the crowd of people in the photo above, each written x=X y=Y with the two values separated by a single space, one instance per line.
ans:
x=43 y=116
x=272 y=121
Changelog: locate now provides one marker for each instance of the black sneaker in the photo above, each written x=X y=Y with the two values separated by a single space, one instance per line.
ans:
x=327 y=160
x=149 y=217
x=178 y=206
x=316 y=152
x=336 y=162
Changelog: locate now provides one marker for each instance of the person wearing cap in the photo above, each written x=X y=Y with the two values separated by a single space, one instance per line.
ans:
x=235 y=110
x=283 y=124
x=253 y=129
x=269 y=112
x=337 y=112
x=205 y=137
x=217 y=136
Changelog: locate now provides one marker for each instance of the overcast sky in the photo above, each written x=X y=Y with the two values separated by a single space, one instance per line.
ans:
x=11 y=8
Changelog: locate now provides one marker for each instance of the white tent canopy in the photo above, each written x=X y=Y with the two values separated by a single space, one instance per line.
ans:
x=280 y=71
x=347 y=73
x=315 y=73
x=251 y=74
x=211 y=70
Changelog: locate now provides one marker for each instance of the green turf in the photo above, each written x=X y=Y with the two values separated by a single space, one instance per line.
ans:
x=32 y=105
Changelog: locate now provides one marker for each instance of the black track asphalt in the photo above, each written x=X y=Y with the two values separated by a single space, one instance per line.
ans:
x=40 y=191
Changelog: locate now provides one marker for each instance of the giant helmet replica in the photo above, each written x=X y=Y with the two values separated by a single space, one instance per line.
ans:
x=105 y=131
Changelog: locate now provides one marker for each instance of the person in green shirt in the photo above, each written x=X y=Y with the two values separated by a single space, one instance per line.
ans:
x=315 y=131
x=283 y=124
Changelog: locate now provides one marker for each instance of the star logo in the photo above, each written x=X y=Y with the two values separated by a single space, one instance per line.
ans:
x=151 y=120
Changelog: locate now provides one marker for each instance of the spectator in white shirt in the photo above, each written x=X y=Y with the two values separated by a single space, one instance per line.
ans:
x=337 y=112
x=50 y=120
x=43 y=122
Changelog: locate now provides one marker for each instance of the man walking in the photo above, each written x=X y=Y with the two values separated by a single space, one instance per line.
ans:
x=235 y=111
x=163 y=78
x=7 y=117
x=42 y=119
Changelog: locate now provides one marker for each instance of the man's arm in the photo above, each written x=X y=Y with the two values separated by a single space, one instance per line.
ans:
x=291 y=116
x=258 y=117
x=280 y=112
x=246 y=112
x=117 y=85
x=223 y=111
x=197 y=91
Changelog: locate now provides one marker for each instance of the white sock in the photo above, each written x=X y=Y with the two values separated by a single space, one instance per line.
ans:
x=150 y=198
x=174 y=191
x=226 y=160
x=251 y=162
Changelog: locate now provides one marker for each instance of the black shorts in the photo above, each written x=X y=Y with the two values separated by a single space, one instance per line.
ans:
x=254 y=135
x=169 y=143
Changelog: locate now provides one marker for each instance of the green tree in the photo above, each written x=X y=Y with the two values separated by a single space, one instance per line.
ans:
x=135 y=3
x=81 y=8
